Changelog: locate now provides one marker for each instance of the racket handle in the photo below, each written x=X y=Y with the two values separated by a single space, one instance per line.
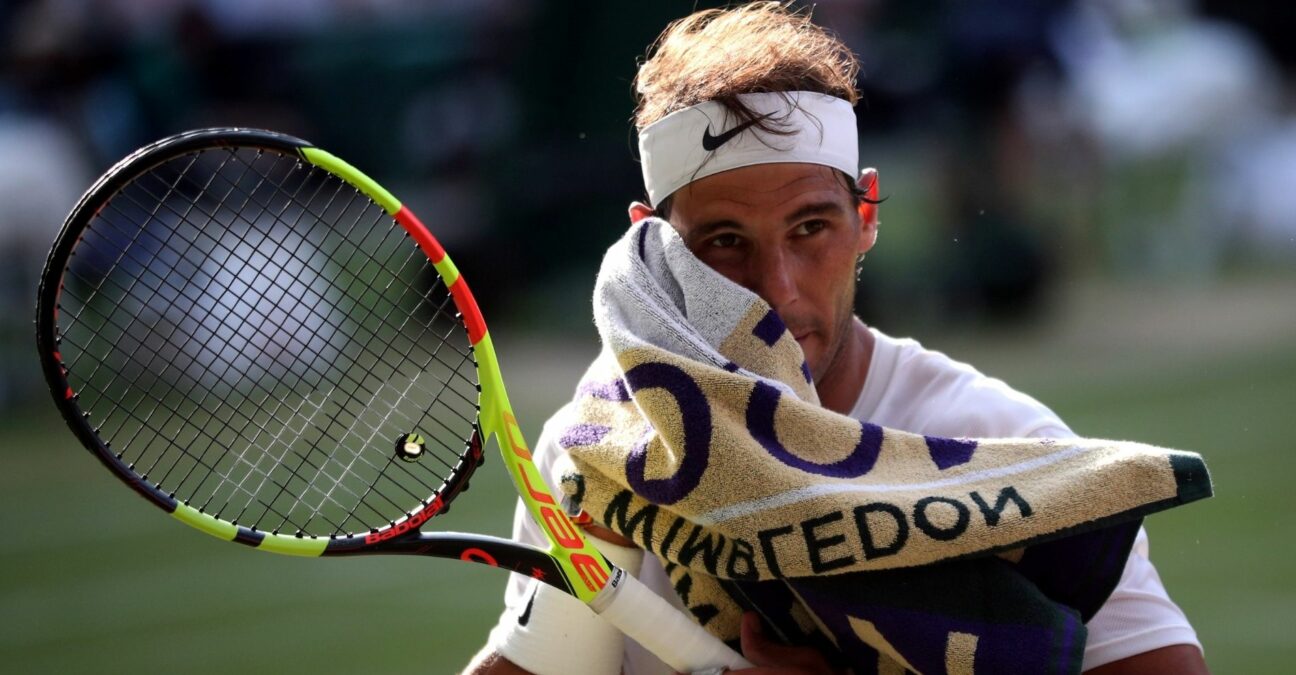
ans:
x=657 y=625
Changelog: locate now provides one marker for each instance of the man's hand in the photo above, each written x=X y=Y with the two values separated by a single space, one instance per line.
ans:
x=773 y=658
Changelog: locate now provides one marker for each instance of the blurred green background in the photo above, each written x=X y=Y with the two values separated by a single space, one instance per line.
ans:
x=1093 y=201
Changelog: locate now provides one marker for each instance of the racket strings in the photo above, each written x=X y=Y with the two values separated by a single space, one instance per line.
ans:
x=148 y=470
x=129 y=290
x=129 y=249
x=440 y=344
x=320 y=470
x=447 y=299
x=201 y=460
x=303 y=460
x=383 y=355
x=125 y=250
x=277 y=460
x=273 y=414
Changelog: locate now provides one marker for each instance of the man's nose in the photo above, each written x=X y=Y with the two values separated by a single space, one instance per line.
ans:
x=773 y=278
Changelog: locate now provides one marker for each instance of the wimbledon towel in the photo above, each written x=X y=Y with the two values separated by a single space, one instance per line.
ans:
x=697 y=433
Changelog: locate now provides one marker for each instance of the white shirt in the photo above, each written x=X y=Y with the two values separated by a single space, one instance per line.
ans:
x=922 y=391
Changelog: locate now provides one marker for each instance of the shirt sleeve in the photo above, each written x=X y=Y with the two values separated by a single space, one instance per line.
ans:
x=1138 y=617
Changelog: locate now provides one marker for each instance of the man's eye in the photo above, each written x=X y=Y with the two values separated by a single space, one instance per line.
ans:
x=724 y=241
x=810 y=227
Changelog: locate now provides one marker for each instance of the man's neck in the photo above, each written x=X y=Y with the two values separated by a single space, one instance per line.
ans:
x=840 y=387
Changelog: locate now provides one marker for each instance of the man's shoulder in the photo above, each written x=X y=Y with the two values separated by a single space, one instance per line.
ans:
x=941 y=376
x=926 y=391
x=914 y=360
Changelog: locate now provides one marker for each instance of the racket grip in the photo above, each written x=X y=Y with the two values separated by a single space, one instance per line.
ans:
x=657 y=625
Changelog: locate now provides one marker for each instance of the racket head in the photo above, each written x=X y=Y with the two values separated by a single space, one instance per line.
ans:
x=240 y=327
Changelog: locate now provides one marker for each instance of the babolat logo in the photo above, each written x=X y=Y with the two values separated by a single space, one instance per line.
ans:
x=410 y=524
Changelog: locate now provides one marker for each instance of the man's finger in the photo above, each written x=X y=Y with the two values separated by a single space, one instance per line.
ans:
x=761 y=650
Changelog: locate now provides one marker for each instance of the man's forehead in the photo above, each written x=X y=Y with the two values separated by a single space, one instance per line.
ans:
x=764 y=186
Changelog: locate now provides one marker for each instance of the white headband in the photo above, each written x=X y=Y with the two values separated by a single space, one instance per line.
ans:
x=697 y=142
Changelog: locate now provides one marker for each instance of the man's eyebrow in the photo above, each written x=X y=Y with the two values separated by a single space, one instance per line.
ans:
x=826 y=208
x=816 y=209
x=708 y=227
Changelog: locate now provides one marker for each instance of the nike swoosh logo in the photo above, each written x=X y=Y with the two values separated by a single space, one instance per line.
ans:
x=525 y=616
x=710 y=143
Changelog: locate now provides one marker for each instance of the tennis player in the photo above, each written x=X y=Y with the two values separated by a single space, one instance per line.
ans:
x=791 y=219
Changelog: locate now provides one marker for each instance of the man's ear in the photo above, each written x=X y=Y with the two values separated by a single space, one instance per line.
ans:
x=639 y=211
x=868 y=182
x=868 y=212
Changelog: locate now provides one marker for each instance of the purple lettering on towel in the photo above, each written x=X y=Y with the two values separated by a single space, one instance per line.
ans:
x=947 y=452
x=695 y=413
x=605 y=391
x=770 y=328
x=582 y=434
x=760 y=424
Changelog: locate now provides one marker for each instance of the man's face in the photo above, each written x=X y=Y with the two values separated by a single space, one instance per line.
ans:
x=791 y=234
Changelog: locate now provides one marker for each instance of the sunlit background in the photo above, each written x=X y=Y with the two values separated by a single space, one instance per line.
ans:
x=1095 y=201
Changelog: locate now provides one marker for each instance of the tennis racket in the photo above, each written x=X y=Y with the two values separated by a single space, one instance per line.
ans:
x=264 y=343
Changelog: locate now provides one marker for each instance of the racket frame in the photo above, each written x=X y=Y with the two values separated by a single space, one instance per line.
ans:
x=571 y=563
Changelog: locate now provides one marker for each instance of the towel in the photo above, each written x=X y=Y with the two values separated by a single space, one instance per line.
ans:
x=698 y=434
